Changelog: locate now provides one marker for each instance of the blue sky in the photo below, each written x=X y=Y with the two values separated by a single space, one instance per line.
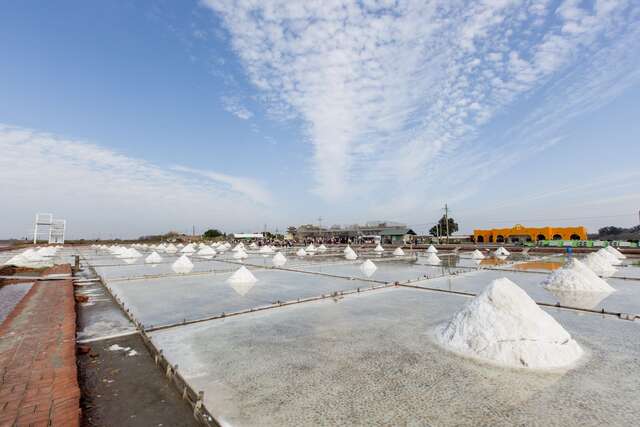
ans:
x=128 y=118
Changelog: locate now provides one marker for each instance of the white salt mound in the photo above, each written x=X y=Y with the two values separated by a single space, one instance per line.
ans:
x=348 y=248
x=433 y=259
x=311 y=248
x=503 y=325
x=153 y=258
x=398 y=251
x=242 y=275
x=599 y=265
x=379 y=248
x=477 y=255
x=240 y=254
x=189 y=249
x=301 y=252
x=611 y=259
x=322 y=248
x=368 y=268
x=266 y=250
x=613 y=251
x=207 y=252
x=279 y=260
x=182 y=265
x=502 y=251
x=575 y=276
x=253 y=246
x=350 y=254
x=432 y=250
x=171 y=249
x=238 y=247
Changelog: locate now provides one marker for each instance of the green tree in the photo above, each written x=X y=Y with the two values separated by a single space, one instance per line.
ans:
x=453 y=227
x=212 y=234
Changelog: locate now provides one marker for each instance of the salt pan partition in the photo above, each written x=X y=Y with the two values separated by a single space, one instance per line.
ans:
x=504 y=326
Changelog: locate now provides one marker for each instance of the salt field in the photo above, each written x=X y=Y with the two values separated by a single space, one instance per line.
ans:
x=350 y=335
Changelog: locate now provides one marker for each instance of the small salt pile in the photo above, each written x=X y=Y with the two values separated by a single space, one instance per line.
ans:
x=350 y=254
x=171 y=249
x=182 y=265
x=240 y=254
x=253 y=246
x=502 y=251
x=503 y=325
x=242 y=275
x=206 y=252
x=432 y=250
x=477 y=255
x=599 y=265
x=322 y=248
x=368 y=268
x=189 y=249
x=301 y=252
x=266 y=249
x=432 y=259
x=179 y=246
x=575 y=276
x=238 y=247
x=611 y=259
x=398 y=251
x=279 y=260
x=613 y=251
x=379 y=248
x=311 y=248
x=153 y=258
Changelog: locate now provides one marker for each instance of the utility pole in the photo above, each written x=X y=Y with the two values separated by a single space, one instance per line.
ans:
x=446 y=220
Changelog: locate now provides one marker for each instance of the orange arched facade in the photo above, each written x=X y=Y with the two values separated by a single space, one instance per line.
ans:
x=520 y=233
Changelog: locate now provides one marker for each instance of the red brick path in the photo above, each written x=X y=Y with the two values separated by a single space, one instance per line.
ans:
x=38 y=378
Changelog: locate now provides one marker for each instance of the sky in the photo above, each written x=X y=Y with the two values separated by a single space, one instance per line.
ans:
x=129 y=118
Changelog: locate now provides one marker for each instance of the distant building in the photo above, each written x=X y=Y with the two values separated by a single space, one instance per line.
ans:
x=378 y=231
x=520 y=233
x=247 y=236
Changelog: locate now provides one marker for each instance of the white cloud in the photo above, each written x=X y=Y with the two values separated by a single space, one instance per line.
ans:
x=100 y=191
x=389 y=90
x=233 y=105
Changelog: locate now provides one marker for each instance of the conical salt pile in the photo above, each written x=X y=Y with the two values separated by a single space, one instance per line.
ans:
x=153 y=258
x=503 y=325
x=171 y=249
x=379 y=248
x=240 y=254
x=253 y=246
x=266 y=249
x=311 y=248
x=599 y=265
x=368 y=268
x=432 y=250
x=432 y=259
x=613 y=251
x=502 y=251
x=477 y=255
x=242 y=275
x=398 y=251
x=301 y=252
x=350 y=254
x=189 y=249
x=238 y=247
x=182 y=265
x=611 y=259
x=279 y=260
x=348 y=248
x=575 y=276
x=207 y=252
x=322 y=248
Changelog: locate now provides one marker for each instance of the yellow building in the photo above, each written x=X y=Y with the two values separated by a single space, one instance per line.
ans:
x=520 y=233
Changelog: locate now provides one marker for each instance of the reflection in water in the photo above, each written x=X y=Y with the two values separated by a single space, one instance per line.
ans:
x=589 y=300
x=539 y=265
x=242 y=288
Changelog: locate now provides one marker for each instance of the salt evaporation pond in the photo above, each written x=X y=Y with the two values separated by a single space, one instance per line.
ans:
x=371 y=358
x=165 y=300
x=626 y=299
